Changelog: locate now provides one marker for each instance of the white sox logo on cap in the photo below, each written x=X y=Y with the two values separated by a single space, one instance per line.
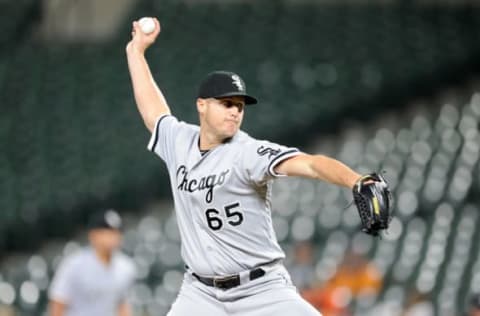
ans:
x=113 y=219
x=238 y=82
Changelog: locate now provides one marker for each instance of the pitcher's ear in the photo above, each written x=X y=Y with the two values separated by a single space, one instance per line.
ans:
x=201 y=104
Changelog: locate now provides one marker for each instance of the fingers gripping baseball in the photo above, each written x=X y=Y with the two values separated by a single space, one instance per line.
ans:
x=141 y=40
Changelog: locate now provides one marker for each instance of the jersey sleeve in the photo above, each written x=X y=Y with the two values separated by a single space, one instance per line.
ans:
x=261 y=158
x=61 y=288
x=162 y=140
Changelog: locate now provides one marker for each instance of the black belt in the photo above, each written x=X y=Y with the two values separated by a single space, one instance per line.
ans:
x=230 y=281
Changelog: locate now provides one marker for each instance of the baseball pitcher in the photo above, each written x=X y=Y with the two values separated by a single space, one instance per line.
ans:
x=221 y=180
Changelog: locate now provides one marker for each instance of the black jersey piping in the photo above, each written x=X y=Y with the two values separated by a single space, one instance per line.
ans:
x=279 y=158
x=155 y=141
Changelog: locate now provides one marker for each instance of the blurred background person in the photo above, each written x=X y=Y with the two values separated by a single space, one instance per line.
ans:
x=354 y=278
x=357 y=274
x=95 y=281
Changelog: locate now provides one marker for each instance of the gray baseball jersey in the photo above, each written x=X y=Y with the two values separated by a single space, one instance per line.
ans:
x=88 y=287
x=222 y=198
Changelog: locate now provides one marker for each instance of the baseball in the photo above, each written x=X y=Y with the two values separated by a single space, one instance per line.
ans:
x=147 y=25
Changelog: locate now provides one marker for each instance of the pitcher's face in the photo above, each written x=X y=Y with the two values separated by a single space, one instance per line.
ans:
x=222 y=116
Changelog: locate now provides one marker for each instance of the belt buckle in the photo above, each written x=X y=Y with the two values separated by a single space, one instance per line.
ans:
x=226 y=282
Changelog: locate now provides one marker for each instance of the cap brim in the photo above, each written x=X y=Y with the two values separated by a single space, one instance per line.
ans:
x=248 y=99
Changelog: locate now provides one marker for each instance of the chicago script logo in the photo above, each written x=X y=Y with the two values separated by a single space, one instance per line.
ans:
x=262 y=151
x=204 y=183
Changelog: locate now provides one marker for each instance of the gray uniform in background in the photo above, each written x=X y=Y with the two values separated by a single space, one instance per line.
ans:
x=223 y=208
x=89 y=287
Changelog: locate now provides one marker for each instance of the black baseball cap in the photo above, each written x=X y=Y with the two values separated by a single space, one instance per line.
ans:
x=108 y=219
x=222 y=84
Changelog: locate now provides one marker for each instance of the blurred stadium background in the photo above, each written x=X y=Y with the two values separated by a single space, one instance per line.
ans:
x=381 y=85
